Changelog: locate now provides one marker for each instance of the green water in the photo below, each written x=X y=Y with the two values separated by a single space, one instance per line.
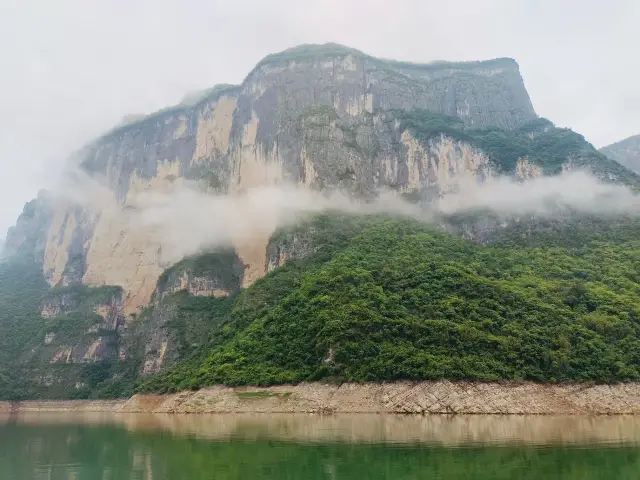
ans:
x=311 y=447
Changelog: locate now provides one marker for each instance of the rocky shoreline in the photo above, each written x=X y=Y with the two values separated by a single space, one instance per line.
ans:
x=430 y=397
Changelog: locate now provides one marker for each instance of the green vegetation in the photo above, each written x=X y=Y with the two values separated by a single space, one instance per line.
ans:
x=195 y=318
x=369 y=298
x=318 y=115
x=538 y=140
x=427 y=125
x=401 y=301
x=309 y=52
x=77 y=316
x=318 y=52
x=373 y=298
x=84 y=297
x=21 y=289
x=72 y=326
x=212 y=182
x=224 y=267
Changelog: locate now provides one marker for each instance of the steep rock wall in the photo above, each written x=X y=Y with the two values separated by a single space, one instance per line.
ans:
x=216 y=274
x=320 y=119
x=82 y=324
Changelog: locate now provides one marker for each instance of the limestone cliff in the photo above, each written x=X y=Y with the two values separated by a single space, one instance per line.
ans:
x=320 y=116
x=626 y=152
x=29 y=234
x=83 y=324
x=215 y=275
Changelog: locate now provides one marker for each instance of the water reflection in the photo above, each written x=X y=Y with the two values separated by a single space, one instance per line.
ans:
x=90 y=446
x=365 y=428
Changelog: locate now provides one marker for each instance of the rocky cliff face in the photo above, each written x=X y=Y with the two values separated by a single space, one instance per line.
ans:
x=84 y=324
x=217 y=274
x=319 y=116
x=625 y=152
x=29 y=235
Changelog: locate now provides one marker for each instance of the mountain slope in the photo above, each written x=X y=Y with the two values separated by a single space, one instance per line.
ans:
x=399 y=300
x=625 y=152
x=106 y=304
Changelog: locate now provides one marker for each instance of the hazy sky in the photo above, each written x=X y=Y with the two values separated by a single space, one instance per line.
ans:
x=70 y=69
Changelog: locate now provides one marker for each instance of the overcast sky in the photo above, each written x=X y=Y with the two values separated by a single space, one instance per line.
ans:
x=70 y=69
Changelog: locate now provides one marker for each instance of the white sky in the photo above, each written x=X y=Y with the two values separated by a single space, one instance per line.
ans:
x=70 y=69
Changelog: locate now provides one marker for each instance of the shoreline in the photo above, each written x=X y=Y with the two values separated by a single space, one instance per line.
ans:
x=403 y=397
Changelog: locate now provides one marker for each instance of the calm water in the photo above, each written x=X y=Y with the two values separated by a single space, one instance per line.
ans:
x=159 y=447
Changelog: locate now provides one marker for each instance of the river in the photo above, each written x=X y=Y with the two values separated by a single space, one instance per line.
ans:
x=102 y=446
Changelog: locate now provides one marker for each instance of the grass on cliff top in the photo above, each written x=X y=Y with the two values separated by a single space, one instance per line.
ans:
x=538 y=140
x=85 y=295
x=314 y=52
x=223 y=266
x=401 y=301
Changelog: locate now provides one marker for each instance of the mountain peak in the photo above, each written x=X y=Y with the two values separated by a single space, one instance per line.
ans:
x=317 y=51
x=626 y=152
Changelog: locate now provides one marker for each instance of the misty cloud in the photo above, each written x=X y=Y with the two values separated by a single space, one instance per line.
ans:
x=183 y=219
x=186 y=220
x=74 y=68
x=578 y=191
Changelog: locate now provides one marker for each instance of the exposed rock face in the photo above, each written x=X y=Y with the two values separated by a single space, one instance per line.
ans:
x=436 y=397
x=160 y=347
x=444 y=164
x=58 y=304
x=281 y=250
x=525 y=170
x=216 y=274
x=29 y=235
x=98 y=316
x=198 y=286
x=625 y=152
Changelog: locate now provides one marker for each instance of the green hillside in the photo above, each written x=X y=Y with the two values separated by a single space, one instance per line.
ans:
x=397 y=300
x=380 y=299
x=374 y=298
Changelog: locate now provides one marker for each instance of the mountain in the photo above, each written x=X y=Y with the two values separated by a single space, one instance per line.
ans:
x=625 y=152
x=96 y=298
x=305 y=115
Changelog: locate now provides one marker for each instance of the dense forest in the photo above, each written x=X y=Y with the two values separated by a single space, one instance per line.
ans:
x=391 y=299
x=22 y=288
